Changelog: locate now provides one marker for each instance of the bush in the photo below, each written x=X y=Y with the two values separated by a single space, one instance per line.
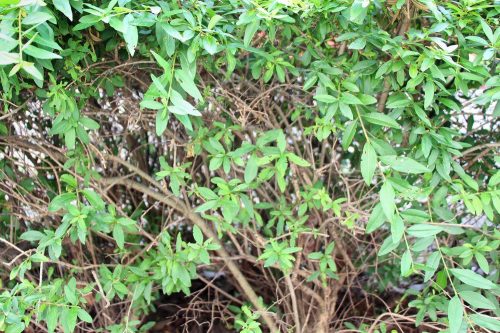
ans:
x=293 y=166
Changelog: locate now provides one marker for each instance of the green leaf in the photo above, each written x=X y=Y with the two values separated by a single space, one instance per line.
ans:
x=404 y=164
x=387 y=246
x=7 y=58
x=349 y=133
x=70 y=291
x=118 y=235
x=487 y=322
x=61 y=201
x=83 y=315
x=206 y=206
x=376 y=220
x=172 y=32
x=424 y=230
x=130 y=33
x=422 y=115
x=164 y=64
x=210 y=44
x=477 y=300
x=387 y=199
x=15 y=328
x=432 y=265
x=406 y=263
x=368 y=163
x=181 y=106
x=197 y=234
x=297 y=160
x=380 y=119
x=37 y=17
x=428 y=93
x=487 y=31
x=472 y=279
x=89 y=123
x=455 y=314
x=251 y=169
x=93 y=198
x=68 y=318
x=325 y=98
x=32 y=235
x=358 y=44
x=482 y=262
x=250 y=31
x=161 y=122
x=64 y=7
x=213 y=21
x=397 y=228
x=350 y=99
x=30 y=68
x=187 y=84
x=51 y=318
x=70 y=138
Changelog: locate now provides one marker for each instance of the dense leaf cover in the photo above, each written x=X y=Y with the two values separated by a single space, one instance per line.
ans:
x=314 y=165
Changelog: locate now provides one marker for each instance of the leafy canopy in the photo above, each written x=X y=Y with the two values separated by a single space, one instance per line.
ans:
x=147 y=144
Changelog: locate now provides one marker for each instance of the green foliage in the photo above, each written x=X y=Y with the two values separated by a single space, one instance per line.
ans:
x=317 y=140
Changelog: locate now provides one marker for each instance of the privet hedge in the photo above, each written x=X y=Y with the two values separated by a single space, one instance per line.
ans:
x=285 y=166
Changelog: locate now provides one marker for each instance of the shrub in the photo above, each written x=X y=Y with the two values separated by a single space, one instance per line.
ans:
x=304 y=166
